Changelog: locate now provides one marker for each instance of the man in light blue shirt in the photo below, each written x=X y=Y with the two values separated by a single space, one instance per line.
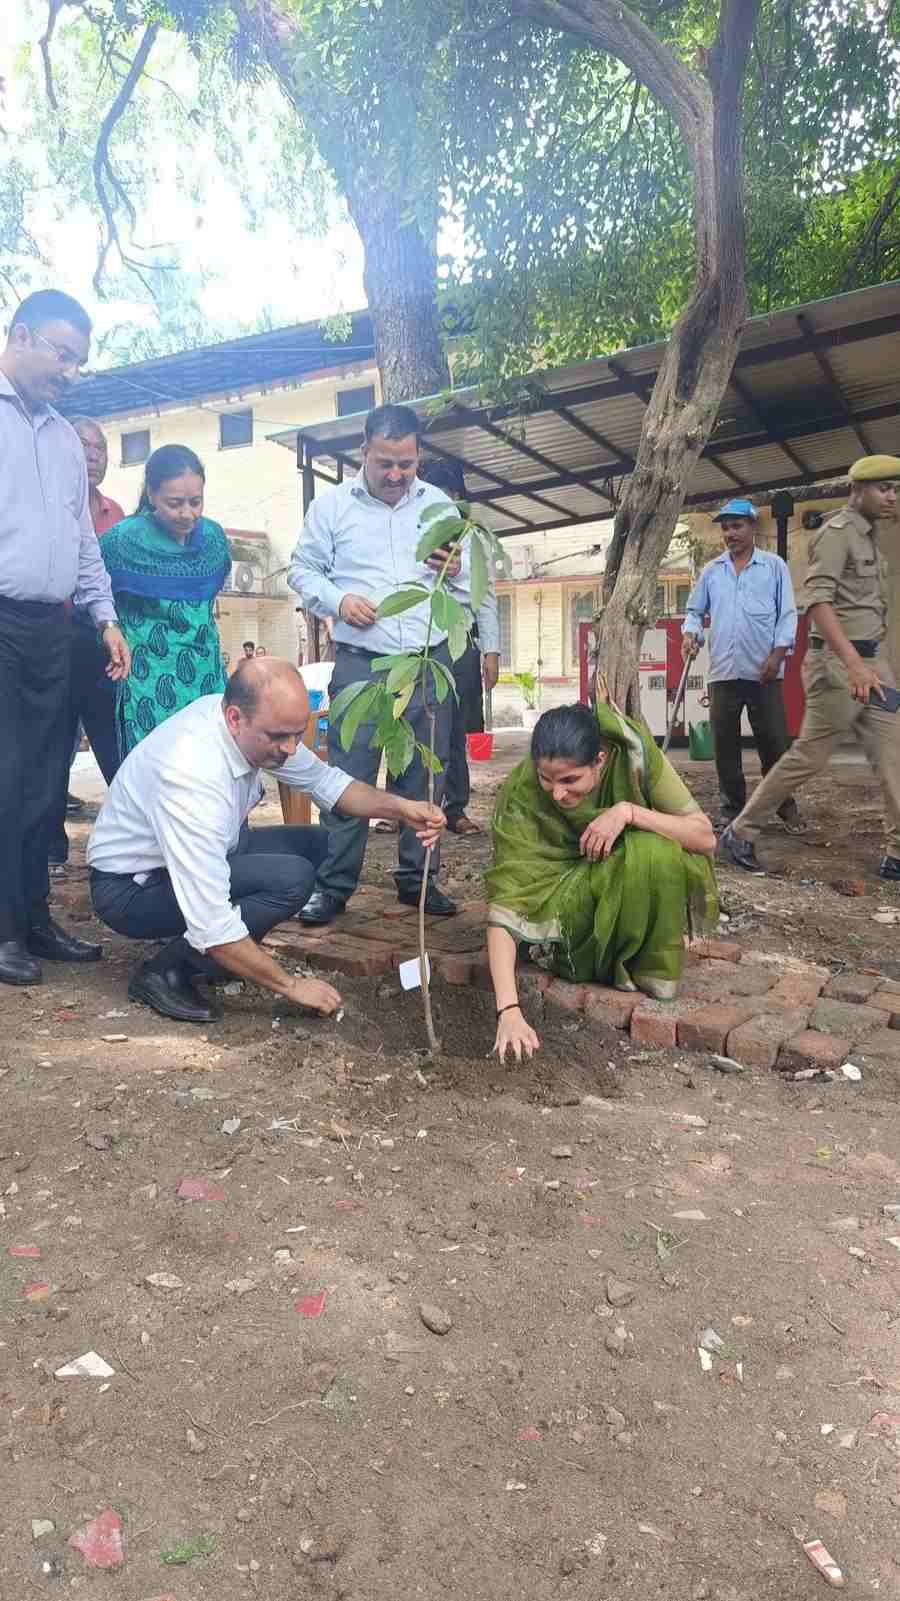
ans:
x=358 y=545
x=749 y=598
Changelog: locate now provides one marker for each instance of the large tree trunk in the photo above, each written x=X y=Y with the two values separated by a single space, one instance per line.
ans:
x=401 y=288
x=400 y=272
x=679 y=419
x=699 y=357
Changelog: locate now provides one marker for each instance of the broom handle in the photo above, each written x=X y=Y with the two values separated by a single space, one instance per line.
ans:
x=678 y=699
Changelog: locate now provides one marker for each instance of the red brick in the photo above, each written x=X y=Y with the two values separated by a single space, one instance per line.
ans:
x=719 y=950
x=812 y=1049
x=357 y=958
x=655 y=1022
x=889 y=1003
x=534 y=980
x=613 y=1007
x=777 y=965
x=884 y=1043
x=454 y=969
x=794 y=990
x=708 y=1028
x=481 y=972
x=571 y=997
x=724 y=981
x=853 y=987
x=848 y=1021
x=757 y=1042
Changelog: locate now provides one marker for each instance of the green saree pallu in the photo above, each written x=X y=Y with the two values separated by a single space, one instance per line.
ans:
x=620 y=921
x=165 y=598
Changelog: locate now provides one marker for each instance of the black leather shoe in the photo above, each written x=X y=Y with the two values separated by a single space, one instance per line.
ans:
x=321 y=908
x=740 y=852
x=890 y=868
x=171 y=994
x=55 y=945
x=437 y=904
x=16 y=966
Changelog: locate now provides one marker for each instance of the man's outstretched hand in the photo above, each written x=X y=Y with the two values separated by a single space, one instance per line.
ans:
x=315 y=994
x=429 y=822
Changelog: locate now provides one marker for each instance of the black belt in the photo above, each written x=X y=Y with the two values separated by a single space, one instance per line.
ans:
x=370 y=655
x=863 y=647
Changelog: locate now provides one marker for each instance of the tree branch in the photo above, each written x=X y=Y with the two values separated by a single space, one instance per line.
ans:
x=615 y=29
x=889 y=203
x=54 y=7
x=104 y=173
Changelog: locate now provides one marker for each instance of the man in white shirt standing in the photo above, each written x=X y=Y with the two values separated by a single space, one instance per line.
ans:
x=359 y=545
x=171 y=857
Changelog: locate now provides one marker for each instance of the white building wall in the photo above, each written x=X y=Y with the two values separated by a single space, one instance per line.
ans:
x=247 y=486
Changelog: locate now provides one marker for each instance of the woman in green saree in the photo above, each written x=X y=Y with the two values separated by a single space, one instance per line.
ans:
x=167 y=564
x=602 y=857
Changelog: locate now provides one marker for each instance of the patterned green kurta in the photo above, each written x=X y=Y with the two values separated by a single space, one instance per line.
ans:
x=175 y=651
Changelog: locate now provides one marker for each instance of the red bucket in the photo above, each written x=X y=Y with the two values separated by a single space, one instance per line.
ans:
x=481 y=747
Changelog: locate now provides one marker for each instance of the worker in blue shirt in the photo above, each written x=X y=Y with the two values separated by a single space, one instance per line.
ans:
x=749 y=598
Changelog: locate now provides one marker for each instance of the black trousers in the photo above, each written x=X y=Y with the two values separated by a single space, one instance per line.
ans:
x=92 y=702
x=34 y=691
x=468 y=718
x=272 y=874
x=348 y=836
x=764 y=704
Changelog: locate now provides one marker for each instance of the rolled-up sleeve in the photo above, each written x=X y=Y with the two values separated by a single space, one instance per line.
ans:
x=697 y=607
x=193 y=824
x=93 y=589
x=305 y=771
x=312 y=562
x=827 y=561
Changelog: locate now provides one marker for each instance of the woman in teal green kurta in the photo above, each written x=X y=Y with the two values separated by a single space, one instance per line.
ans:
x=167 y=564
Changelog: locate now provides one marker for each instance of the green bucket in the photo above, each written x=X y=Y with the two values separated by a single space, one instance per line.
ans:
x=700 y=742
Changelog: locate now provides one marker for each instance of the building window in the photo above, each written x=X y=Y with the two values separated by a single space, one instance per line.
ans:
x=583 y=607
x=504 y=620
x=351 y=401
x=682 y=596
x=660 y=608
x=135 y=447
x=235 y=428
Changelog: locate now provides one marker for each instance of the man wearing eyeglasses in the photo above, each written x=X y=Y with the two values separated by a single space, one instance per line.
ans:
x=48 y=554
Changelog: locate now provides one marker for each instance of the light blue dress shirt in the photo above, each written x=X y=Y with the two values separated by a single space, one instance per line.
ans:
x=751 y=613
x=354 y=544
x=48 y=548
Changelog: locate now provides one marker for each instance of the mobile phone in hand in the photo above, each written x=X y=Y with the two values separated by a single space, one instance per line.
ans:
x=888 y=701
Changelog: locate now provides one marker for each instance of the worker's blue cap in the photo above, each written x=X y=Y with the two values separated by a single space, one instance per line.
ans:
x=737 y=508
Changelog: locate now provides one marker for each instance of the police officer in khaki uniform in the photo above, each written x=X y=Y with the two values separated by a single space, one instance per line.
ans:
x=846 y=668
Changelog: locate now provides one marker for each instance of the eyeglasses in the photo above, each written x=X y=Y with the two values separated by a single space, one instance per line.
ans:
x=66 y=358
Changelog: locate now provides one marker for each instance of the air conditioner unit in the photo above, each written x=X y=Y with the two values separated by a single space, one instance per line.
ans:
x=521 y=561
x=243 y=578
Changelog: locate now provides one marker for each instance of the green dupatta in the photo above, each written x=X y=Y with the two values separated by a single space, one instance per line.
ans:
x=621 y=921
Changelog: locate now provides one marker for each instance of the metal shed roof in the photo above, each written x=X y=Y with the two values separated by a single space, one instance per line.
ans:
x=814 y=387
x=236 y=365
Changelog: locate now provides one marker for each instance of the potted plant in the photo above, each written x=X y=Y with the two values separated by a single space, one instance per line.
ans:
x=528 y=684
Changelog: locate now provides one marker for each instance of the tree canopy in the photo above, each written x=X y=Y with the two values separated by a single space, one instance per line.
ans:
x=565 y=175
x=576 y=194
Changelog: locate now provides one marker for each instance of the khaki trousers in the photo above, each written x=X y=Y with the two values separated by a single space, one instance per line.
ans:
x=831 y=713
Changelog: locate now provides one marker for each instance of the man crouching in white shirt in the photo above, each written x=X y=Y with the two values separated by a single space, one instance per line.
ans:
x=171 y=856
